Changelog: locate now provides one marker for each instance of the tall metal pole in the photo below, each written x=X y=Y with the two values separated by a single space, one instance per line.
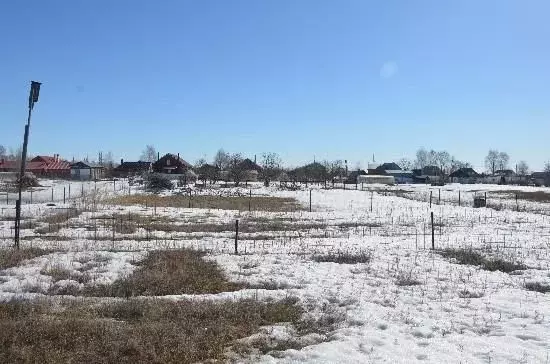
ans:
x=21 y=177
x=33 y=97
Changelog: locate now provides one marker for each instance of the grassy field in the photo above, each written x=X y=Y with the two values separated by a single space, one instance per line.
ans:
x=241 y=203
x=132 y=331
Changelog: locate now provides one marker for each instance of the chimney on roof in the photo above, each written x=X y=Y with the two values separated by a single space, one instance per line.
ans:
x=121 y=161
x=178 y=156
x=254 y=158
x=158 y=155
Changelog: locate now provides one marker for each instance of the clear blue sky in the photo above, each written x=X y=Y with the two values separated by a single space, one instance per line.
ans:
x=304 y=78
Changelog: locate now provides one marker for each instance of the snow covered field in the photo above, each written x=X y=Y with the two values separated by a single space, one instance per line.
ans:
x=408 y=304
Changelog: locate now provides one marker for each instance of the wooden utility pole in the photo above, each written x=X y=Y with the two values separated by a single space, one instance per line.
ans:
x=33 y=97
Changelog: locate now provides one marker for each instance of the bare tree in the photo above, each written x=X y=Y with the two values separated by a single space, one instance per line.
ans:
x=442 y=160
x=522 y=168
x=208 y=172
x=16 y=155
x=2 y=151
x=455 y=165
x=235 y=168
x=200 y=162
x=334 y=169
x=503 y=160
x=149 y=154
x=547 y=167
x=405 y=164
x=109 y=159
x=222 y=159
x=271 y=166
x=492 y=160
x=432 y=158
x=421 y=158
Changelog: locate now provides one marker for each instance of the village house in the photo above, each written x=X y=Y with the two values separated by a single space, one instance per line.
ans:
x=504 y=177
x=464 y=175
x=392 y=169
x=352 y=176
x=540 y=178
x=252 y=170
x=427 y=174
x=86 y=171
x=171 y=164
x=127 y=169
x=40 y=166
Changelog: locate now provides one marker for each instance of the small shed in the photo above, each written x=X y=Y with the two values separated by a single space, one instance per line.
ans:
x=480 y=201
x=85 y=171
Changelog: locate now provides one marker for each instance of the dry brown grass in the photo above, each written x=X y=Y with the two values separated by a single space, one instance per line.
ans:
x=169 y=272
x=52 y=223
x=129 y=223
x=257 y=203
x=133 y=331
x=534 y=196
x=57 y=273
x=13 y=257
x=471 y=257
x=60 y=217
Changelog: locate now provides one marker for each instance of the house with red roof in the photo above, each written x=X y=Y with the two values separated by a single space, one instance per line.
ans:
x=40 y=166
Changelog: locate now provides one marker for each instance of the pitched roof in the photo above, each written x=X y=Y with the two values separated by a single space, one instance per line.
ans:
x=464 y=173
x=505 y=172
x=139 y=165
x=176 y=157
x=388 y=167
x=5 y=164
x=431 y=171
x=249 y=165
x=39 y=164
x=85 y=165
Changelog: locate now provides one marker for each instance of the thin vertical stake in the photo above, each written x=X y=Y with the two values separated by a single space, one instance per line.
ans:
x=433 y=231
x=371 y=196
x=236 y=236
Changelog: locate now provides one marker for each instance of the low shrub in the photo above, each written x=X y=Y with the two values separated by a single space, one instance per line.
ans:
x=537 y=287
x=343 y=257
x=157 y=182
x=169 y=272
x=471 y=257
x=13 y=257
